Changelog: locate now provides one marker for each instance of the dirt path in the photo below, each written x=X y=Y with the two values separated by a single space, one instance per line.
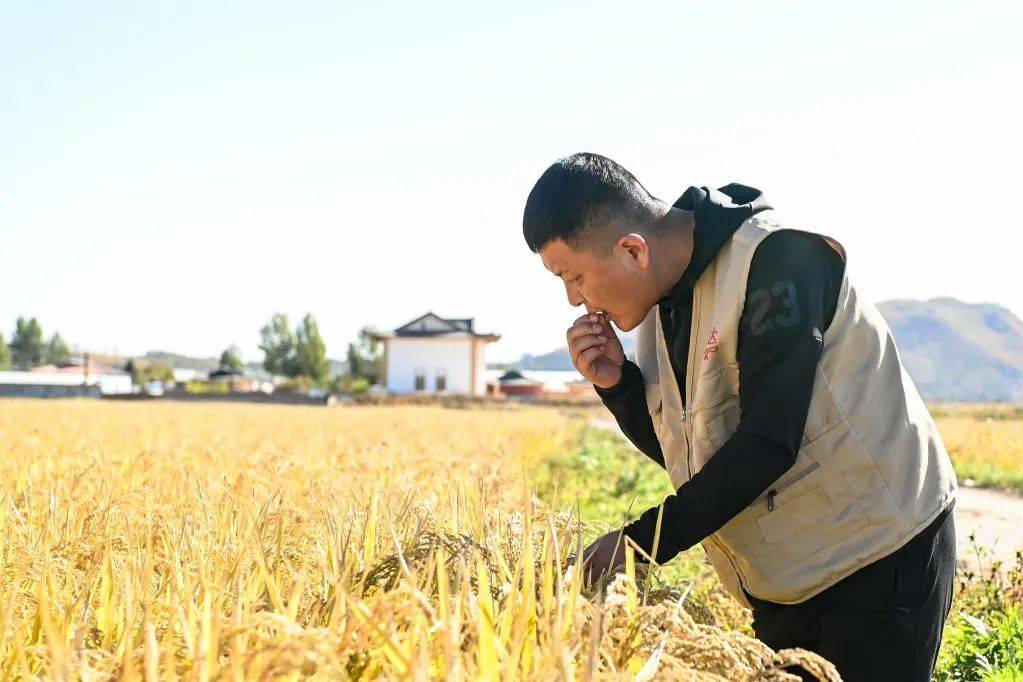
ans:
x=995 y=518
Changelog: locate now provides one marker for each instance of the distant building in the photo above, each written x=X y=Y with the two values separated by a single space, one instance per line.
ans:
x=182 y=375
x=512 y=383
x=78 y=366
x=241 y=382
x=548 y=384
x=51 y=381
x=432 y=354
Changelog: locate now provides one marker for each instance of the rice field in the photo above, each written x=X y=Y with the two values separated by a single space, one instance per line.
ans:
x=985 y=449
x=181 y=541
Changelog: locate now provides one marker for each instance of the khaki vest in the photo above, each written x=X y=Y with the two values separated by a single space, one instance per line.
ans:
x=871 y=470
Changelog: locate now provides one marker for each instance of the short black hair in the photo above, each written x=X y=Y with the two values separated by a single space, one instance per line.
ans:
x=577 y=196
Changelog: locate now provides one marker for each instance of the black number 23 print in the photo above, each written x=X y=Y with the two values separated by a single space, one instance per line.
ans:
x=785 y=307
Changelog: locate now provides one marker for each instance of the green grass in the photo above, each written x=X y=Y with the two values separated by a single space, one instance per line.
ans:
x=988 y=648
x=994 y=411
x=994 y=475
x=608 y=483
x=605 y=475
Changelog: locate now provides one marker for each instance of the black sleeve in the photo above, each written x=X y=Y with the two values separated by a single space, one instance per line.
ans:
x=627 y=402
x=790 y=298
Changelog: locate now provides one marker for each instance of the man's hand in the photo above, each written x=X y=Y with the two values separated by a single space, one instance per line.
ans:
x=596 y=350
x=603 y=556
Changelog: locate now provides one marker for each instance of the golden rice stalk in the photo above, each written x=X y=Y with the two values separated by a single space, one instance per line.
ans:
x=188 y=541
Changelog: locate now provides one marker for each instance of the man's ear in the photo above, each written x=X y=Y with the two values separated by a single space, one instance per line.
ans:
x=638 y=248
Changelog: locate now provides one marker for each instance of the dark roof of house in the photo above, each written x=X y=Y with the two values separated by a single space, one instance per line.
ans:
x=433 y=325
x=225 y=373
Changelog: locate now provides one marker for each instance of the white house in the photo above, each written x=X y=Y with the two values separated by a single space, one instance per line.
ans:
x=182 y=375
x=432 y=354
x=54 y=384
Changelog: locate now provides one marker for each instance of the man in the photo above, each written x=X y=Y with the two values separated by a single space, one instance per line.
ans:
x=772 y=393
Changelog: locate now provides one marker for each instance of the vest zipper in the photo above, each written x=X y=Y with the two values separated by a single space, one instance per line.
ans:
x=687 y=390
x=689 y=453
x=690 y=370
x=713 y=536
x=773 y=492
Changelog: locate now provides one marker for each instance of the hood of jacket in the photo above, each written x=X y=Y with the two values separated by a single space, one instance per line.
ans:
x=718 y=213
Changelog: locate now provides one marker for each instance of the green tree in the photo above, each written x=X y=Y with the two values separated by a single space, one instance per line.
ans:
x=355 y=362
x=310 y=350
x=131 y=368
x=142 y=373
x=155 y=371
x=5 y=354
x=160 y=371
x=57 y=352
x=365 y=359
x=279 y=346
x=27 y=343
x=231 y=359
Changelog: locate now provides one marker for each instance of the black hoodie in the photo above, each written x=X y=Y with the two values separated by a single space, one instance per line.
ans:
x=791 y=295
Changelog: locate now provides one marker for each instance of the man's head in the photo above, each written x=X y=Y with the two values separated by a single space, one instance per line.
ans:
x=592 y=223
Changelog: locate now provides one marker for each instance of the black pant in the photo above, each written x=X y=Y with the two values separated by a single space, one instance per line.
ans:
x=883 y=622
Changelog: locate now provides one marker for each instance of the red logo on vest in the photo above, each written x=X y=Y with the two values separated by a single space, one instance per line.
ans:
x=712 y=343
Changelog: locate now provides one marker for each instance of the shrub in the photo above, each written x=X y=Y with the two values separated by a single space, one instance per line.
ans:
x=985 y=650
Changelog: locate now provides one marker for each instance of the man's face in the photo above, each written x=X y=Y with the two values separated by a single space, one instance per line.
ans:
x=618 y=283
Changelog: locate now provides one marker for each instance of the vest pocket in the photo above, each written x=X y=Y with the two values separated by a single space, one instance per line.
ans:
x=807 y=510
x=772 y=493
x=716 y=385
x=796 y=514
x=713 y=426
x=764 y=532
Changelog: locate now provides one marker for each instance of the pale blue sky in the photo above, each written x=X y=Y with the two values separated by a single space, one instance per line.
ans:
x=173 y=173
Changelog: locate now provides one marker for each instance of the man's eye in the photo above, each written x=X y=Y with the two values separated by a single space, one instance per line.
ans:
x=577 y=279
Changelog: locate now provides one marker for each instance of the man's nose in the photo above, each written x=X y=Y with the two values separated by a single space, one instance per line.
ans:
x=574 y=297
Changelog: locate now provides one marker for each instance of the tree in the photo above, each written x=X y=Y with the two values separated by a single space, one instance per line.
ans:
x=27 y=343
x=301 y=352
x=5 y=354
x=57 y=352
x=144 y=373
x=231 y=360
x=365 y=360
x=279 y=346
x=355 y=361
x=159 y=372
x=311 y=351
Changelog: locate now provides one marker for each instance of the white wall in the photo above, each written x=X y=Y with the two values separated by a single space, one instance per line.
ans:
x=481 y=368
x=114 y=384
x=404 y=355
x=108 y=383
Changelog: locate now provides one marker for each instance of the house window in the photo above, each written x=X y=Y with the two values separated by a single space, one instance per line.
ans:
x=420 y=378
x=441 y=379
